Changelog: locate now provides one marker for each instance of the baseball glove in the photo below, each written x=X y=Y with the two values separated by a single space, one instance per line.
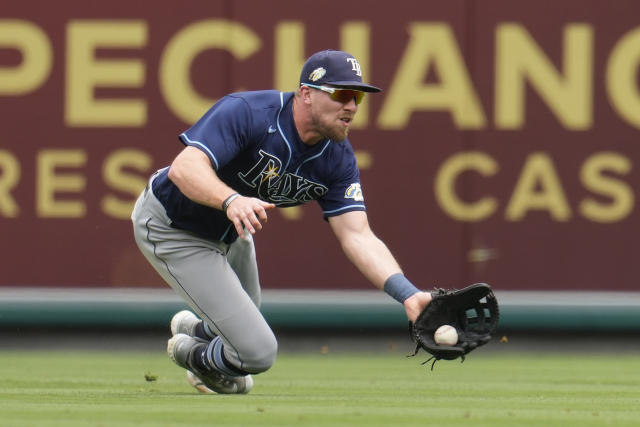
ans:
x=473 y=311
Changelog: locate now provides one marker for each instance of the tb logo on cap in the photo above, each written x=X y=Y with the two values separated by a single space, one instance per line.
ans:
x=355 y=66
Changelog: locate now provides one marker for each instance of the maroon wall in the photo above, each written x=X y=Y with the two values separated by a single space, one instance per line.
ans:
x=503 y=148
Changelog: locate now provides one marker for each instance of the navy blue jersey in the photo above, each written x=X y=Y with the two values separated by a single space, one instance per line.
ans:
x=254 y=147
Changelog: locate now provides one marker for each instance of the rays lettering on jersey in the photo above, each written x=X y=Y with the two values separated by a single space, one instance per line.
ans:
x=280 y=189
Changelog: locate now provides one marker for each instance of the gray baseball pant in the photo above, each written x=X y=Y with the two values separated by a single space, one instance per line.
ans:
x=218 y=281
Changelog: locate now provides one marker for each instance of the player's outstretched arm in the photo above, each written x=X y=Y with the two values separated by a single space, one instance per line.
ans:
x=192 y=172
x=363 y=248
x=373 y=258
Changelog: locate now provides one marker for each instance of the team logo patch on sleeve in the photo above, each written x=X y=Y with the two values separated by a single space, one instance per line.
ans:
x=354 y=192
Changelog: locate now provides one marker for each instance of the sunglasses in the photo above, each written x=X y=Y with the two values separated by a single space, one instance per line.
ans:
x=340 y=95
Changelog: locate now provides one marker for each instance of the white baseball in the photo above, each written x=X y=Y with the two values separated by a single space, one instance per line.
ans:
x=446 y=335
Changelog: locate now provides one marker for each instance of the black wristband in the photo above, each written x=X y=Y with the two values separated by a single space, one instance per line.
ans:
x=228 y=201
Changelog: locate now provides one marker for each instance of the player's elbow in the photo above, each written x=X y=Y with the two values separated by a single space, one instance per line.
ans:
x=176 y=172
x=188 y=163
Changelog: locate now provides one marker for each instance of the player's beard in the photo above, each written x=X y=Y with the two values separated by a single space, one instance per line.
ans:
x=336 y=132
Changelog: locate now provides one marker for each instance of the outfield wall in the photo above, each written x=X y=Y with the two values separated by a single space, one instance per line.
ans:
x=366 y=310
x=503 y=148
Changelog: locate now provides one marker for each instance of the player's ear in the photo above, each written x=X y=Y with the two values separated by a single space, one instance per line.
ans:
x=305 y=94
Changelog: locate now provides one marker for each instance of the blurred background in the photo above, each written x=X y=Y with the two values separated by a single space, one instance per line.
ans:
x=503 y=149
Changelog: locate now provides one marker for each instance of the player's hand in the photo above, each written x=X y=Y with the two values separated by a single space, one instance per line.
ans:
x=248 y=212
x=415 y=304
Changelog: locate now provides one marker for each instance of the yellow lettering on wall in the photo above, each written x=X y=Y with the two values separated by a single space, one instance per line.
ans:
x=289 y=54
x=49 y=182
x=432 y=45
x=445 y=186
x=364 y=159
x=37 y=57
x=85 y=73
x=594 y=179
x=622 y=75
x=180 y=52
x=116 y=176
x=538 y=188
x=9 y=178
x=519 y=60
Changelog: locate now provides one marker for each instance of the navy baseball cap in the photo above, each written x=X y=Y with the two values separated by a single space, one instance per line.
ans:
x=335 y=68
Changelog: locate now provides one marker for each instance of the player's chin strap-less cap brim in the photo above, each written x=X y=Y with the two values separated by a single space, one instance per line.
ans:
x=335 y=68
x=354 y=86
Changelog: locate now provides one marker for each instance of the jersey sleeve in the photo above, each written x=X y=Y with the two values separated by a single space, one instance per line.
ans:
x=345 y=193
x=222 y=132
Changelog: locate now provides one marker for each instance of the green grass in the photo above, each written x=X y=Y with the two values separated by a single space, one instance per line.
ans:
x=489 y=389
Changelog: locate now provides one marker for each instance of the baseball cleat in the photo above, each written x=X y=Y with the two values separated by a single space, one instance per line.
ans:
x=199 y=385
x=184 y=322
x=181 y=349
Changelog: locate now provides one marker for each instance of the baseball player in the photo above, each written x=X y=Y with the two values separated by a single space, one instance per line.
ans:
x=195 y=220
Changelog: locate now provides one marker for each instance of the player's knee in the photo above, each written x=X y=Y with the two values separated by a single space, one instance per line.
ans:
x=262 y=357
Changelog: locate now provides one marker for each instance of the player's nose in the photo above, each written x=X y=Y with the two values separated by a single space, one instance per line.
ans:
x=351 y=105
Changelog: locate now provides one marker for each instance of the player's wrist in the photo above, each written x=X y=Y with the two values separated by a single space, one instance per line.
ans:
x=228 y=200
x=399 y=288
